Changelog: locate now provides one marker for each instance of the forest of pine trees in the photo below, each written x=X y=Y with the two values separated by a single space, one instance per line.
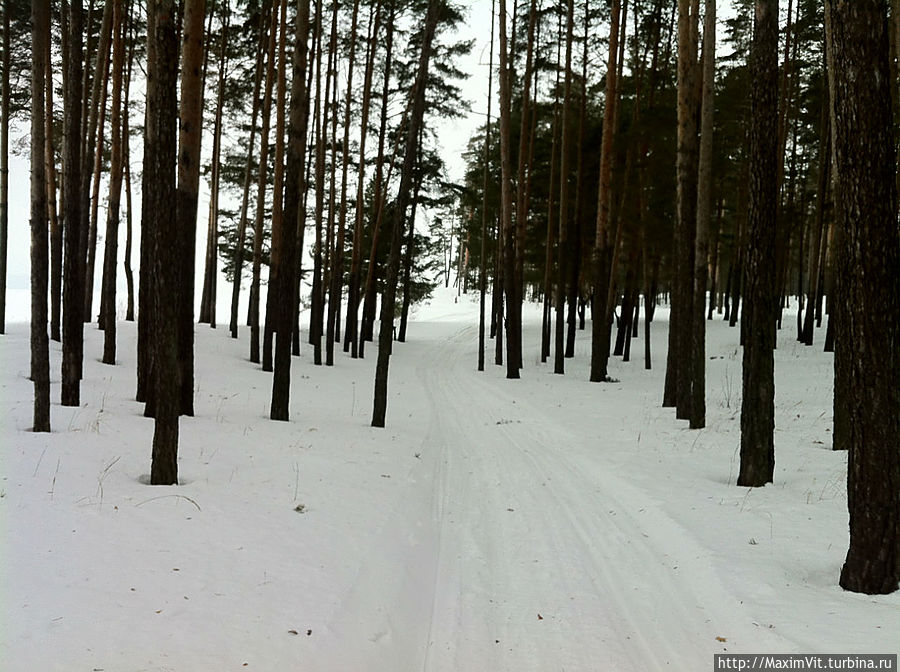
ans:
x=736 y=162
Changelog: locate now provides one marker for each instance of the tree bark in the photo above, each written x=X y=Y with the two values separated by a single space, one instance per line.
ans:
x=337 y=266
x=91 y=159
x=73 y=264
x=277 y=225
x=189 y=139
x=261 y=188
x=56 y=240
x=242 y=222
x=818 y=228
x=295 y=186
x=679 y=361
x=704 y=215
x=351 y=329
x=385 y=333
x=126 y=145
x=565 y=163
x=108 y=303
x=758 y=319
x=162 y=114
x=513 y=305
x=379 y=187
x=211 y=259
x=602 y=239
x=4 y=165
x=866 y=357
x=40 y=343
x=482 y=281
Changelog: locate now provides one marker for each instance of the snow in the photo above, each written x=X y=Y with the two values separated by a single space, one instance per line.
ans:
x=541 y=524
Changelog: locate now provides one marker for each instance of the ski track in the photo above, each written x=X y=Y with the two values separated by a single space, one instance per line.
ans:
x=509 y=590
x=509 y=547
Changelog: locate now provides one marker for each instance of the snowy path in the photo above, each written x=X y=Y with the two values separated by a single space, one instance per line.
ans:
x=526 y=558
x=545 y=524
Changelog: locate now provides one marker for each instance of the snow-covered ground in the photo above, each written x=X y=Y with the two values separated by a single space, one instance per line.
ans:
x=541 y=524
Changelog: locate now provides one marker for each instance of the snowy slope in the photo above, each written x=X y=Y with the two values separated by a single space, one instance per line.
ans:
x=540 y=524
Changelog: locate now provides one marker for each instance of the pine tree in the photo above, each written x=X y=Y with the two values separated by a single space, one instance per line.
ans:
x=73 y=269
x=385 y=335
x=866 y=356
x=189 y=136
x=295 y=185
x=160 y=193
x=758 y=400
x=108 y=302
x=40 y=344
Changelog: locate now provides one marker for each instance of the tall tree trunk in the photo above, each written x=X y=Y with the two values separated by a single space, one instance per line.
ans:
x=162 y=126
x=679 y=360
x=4 y=164
x=73 y=264
x=316 y=325
x=189 y=137
x=295 y=186
x=866 y=357
x=574 y=289
x=385 y=333
x=91 y=158
x=546 y=322
x=126 y=157
x=261 y=187
x=145 y=383
x=521 y=178
x=409 y=250
x=337 y=266
x=565 y=163
x=602 y=240
x=56 y=240
x=379 y=187
x=513 y=306
x=40 y=343
x=115 y=190
x=211 y=259
x=248 y=171
x=704 y=215
x=817 y=234
x=758 y=319
x=351 y=330
x=277 y=192
x=482 y=281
